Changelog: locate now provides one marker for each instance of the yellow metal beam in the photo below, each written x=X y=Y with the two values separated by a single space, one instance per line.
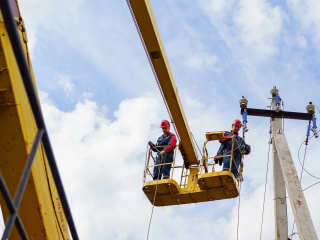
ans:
x=148 y=27
x=40 y=209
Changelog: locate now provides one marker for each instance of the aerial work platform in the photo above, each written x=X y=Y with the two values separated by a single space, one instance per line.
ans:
x=197 y=184
x=212 y=186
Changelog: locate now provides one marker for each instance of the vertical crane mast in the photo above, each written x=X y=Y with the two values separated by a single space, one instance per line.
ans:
x=148 y=30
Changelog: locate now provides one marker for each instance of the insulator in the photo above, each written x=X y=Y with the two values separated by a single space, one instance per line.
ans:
x=308 y=131
x=314 y=123
x=310 y=108
x=245 y=114
x=277 y=100
x=274 y=91
x=243 y=102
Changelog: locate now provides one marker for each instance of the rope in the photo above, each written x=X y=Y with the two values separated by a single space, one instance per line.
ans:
x=238 y=213
x=265 y=187
x=196 y=144
x=154 y=199
x=153 y=70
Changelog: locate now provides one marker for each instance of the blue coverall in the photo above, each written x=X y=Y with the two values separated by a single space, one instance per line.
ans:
x=169 y=143
x=225 y=149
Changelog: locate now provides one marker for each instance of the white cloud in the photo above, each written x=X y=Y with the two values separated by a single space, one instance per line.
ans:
x=307 y=14
x=65 y=83
x=259 y=25
x=202 y=61
x=109 y=44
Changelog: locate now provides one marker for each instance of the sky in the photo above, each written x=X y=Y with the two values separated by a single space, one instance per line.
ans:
x=102 y=105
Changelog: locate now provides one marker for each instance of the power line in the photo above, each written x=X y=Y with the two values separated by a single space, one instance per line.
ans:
x=265 y=187
x=238 y=212
x=311 y=186
x=302 y=165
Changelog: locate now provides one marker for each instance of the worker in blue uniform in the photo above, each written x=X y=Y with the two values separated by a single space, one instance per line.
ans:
x=165 y=146
x=226 y=147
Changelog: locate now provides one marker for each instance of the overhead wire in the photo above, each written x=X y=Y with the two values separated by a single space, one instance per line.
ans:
x=155 y=194
x=265 y=186
x=303 y=168
x=302 y=165
x=311 y=186
x=239 y=212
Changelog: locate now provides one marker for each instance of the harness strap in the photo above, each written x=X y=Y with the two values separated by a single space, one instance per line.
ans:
x=229 y=150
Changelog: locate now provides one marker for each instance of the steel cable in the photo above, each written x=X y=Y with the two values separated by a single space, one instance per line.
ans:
x=196 y=143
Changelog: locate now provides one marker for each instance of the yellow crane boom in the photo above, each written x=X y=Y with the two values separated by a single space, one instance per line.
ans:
x=32 y=193
x=197 y=184
x=151 y=37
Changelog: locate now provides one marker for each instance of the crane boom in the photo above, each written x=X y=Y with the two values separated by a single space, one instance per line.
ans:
x=40 y=210
x=151 y=37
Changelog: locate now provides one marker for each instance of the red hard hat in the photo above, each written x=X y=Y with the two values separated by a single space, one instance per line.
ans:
x=164 y=123
x=237 y=122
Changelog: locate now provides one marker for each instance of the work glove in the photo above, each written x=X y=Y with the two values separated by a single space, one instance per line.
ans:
x=152 y=146
x=162 y=153
x=246 y=150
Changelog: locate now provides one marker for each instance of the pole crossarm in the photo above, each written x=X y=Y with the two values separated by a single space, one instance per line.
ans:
x=279 y=114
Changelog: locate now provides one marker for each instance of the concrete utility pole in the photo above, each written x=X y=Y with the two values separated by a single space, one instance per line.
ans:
x=280 y=201
x=285 y=172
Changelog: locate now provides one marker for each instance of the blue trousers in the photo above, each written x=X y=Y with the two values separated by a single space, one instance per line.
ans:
x=164 y=169
x=226 y=163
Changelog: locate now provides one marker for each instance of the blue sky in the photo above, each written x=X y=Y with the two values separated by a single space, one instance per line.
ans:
x=102 y=104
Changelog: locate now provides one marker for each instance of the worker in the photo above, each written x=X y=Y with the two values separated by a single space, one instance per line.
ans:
x=226 y=146
x=165 y=146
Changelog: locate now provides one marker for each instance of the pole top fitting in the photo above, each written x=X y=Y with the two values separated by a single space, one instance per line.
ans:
x=274 y=91
x=310 y=108
x=243 y=102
